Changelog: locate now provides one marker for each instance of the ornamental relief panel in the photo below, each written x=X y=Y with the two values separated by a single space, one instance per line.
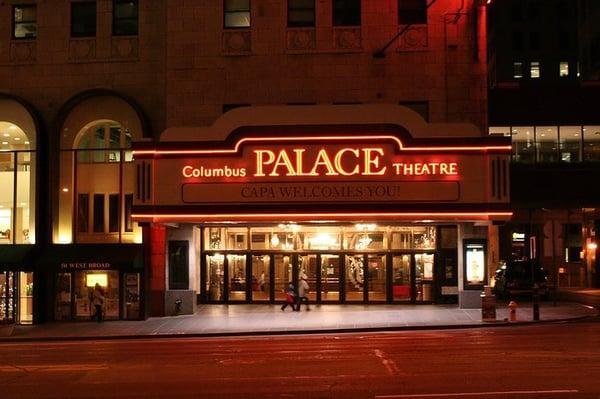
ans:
x=82 y=50
x=237 y=42
x=347 y=38
x=301 y=40
x=23 y=52
x=124 y=48
x=414 y=39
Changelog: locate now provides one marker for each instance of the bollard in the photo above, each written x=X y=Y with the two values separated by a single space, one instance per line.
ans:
x=512 y=312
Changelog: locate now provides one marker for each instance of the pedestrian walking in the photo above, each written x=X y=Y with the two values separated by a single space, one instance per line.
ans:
x=290 y=297
x=98 y=302
x=303 y=289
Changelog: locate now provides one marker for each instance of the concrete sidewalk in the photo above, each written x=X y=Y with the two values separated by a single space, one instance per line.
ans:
x=223 y=320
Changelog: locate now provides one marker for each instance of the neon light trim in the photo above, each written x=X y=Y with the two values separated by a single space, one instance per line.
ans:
x=321 y=138
x=283 y=216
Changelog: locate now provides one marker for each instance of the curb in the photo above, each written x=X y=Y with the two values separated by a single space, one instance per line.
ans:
x=499 y=323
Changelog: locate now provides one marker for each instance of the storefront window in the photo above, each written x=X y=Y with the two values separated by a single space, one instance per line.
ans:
x=365 y=237
x=570 y=143
x=591 y=140
x=307 y=268
x=17 y=213
x=84 y=288
x=547 y=143
x=25 y=297
x=319 y=238
x=7 y=297
x=523 y=144
x=62 y=307
x=283 y=275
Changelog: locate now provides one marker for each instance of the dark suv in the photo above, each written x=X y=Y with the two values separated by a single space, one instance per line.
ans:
x=514 y=279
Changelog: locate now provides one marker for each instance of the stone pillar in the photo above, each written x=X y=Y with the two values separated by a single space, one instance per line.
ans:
x=155 y=248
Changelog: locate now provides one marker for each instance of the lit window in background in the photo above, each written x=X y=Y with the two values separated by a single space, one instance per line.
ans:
x=517 y=70
x=535 y=70
x=92 y=279
x=564 y=69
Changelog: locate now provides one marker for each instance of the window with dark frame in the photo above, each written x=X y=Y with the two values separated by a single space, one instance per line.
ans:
x=412 y=12
x=113 y=213
x=98 y=218
x=83 y=212
x=301 y=13
x=125 y=18
x=128 y=206
x=83 y=19
x=346 y=12
x=178 y=265
x=24 y=21
x=236 y=14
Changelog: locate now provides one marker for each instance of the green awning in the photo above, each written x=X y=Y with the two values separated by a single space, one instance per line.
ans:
x=90 y=256
x=19 y=257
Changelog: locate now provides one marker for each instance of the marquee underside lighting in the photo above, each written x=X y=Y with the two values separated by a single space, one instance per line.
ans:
x=239 y=143
x=312 y=216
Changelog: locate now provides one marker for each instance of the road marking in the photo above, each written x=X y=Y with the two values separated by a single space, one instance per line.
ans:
x=52 y=367
x=440 y=395
x=389 y=364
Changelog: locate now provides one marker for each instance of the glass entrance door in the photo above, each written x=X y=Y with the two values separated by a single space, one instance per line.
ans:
x=215 y=272
x=308 y=267
x=376 y=279
x=236 y=277
x=261 y=278
x=401 y=281
x=282 y=275
x=424 y=277
x=354 y=278
x=330 y=282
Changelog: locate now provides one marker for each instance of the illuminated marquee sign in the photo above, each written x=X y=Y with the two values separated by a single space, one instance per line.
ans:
x=331 y=169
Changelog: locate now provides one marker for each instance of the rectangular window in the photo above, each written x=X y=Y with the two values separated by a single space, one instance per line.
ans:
x=83 y=212
x=517 y=40
x=564 y=69
x=301 y=13
x=534 y=41
x=534 y=70
x=346 y=12
x=83 y=19
x=178 y=265
x=236 y=14
x=573 y=242
x=113 y=213
x=24 y=22
x=517 y=70
x=125 y=18
x=128 y=206
x=98 y=213
x=412 y=12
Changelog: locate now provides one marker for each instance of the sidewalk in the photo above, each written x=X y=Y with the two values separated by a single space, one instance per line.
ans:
x=588 y=296
x=223 y=320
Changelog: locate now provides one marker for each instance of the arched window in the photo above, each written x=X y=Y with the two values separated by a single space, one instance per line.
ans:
x=104 y=135
x=17 y=182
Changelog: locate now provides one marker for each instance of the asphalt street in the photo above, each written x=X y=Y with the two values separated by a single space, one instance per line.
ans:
x=537 y=361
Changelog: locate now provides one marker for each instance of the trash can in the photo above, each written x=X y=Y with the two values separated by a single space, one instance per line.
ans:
x=488 y=304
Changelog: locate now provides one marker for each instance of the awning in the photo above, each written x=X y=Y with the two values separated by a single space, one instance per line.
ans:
x=17 y=257
x=93 y=256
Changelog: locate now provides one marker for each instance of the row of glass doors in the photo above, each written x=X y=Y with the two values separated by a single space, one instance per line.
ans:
x=332 y=277
x=16 y=297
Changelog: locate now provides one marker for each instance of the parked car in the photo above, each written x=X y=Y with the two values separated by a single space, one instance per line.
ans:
x=514 y=279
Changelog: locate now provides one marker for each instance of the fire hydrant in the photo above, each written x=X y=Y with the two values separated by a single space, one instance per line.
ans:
x=512 y=311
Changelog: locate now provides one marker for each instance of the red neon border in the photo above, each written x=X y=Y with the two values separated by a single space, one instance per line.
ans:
x=322 y=138
x=313 y=215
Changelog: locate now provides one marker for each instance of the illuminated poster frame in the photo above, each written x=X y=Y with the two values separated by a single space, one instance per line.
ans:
x=474 y=264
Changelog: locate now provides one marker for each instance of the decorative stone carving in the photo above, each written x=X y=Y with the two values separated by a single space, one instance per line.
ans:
x=347 y=38
x=237 y=42
x=414 y=39
x=301 y=39
x=22 y=51
x=124 y=48
x=82 y=50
